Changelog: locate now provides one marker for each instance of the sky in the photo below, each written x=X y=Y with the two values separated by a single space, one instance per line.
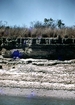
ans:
x=23 y=12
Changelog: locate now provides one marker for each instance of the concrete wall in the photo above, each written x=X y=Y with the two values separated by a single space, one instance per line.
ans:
x=35 y=41
x=50 y=48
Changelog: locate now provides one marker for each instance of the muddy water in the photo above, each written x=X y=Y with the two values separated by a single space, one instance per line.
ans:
x=7 y=100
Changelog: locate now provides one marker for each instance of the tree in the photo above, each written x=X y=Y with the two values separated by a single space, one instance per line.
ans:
x=37 y=24
x=49 y=23
x=52 y=23
x=60 y=24
x=1 y=24
x=46 y=21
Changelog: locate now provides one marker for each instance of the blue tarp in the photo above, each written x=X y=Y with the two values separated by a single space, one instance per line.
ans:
x=16 y=54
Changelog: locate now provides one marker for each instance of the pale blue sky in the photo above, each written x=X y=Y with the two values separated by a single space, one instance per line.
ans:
x=22 y=12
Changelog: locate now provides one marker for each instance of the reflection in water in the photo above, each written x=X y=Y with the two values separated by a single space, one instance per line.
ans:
x=7 y=100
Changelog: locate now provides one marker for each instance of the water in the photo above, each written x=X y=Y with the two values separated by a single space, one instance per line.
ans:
x=7 y=100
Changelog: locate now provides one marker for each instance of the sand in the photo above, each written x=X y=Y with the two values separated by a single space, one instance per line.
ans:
x=34 y=77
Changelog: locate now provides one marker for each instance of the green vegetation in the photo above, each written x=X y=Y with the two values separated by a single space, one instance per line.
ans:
x=49 y=28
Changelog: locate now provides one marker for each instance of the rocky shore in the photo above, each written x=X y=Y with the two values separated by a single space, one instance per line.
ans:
x=41 y=76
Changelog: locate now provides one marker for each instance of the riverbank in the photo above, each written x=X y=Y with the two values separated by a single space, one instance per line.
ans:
x=35 y=93
x=37 y=77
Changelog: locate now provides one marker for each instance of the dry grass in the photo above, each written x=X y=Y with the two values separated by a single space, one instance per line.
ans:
x=37 y=32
